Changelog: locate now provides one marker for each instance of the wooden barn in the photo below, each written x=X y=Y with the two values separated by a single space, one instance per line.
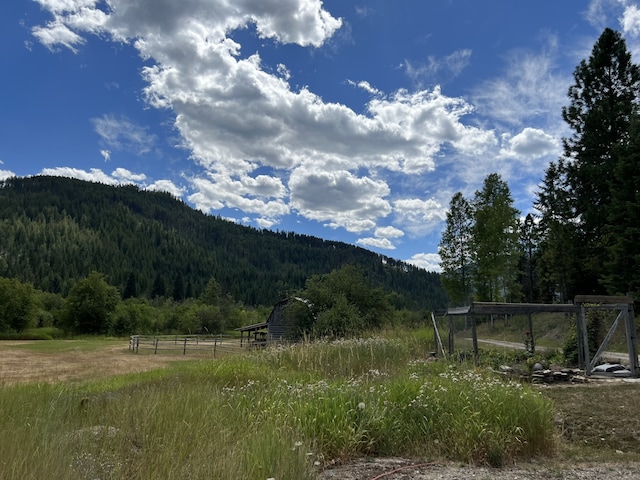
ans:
x=278 y=327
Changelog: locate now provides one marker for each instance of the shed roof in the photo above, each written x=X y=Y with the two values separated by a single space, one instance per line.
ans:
x=496 y=308
x=251 y=328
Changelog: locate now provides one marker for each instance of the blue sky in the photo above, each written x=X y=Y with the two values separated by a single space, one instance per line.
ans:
x=351 y=121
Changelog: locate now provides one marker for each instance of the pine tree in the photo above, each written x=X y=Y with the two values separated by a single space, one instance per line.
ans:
x=455 y=250
x=530 y=240
x=623 y=229
x=178 y=288
x=130 y=290
x=604 y=100
x=557 y=227
x=158 y=289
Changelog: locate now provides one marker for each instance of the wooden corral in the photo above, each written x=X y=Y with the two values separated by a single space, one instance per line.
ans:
x=582 y=303
x=214 y=345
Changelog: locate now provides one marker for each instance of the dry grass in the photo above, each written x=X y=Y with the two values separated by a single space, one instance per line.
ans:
x=598 y=421
x=73 y=360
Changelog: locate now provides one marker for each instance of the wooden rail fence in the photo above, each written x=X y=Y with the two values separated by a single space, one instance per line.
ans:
x=207 y=344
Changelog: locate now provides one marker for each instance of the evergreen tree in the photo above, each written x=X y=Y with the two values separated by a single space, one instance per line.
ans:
x=559 y=262
x=496 y=252
x=130 y=290
x=529 y=238
x=623 y=230
x=178 y=288
x=603 y=103
x=211 y=294
x=455 y=250
x=158 y=289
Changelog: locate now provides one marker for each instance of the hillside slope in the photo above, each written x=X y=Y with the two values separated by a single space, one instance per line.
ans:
x=54 y=230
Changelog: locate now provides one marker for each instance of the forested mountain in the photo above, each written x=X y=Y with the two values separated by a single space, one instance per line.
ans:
x=54 y=231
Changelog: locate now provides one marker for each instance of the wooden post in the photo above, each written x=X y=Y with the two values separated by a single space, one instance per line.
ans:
x=451 y=334
x=533 y=341
x=585 y=339
x=474 y=334
x=137 y=344
x=631 y=341
x=155 y=345
x=579 y=341
x=437 y=335
x=184 y=352
x=215 y=344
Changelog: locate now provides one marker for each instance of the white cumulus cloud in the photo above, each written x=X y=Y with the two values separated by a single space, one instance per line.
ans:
x=236 y=115
x=426 y=261
x=531 y=143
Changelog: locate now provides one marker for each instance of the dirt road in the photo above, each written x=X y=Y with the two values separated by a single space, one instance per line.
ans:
x=616 y=357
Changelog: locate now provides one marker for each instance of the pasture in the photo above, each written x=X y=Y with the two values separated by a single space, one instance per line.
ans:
x=93 y=409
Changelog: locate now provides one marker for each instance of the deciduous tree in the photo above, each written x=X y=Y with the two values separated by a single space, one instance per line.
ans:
x=89 y=304
x=496 y=248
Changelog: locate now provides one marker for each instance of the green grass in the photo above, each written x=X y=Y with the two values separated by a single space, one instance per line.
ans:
x=282 y=413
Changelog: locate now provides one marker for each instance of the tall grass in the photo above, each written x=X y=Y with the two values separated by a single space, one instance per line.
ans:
x=282 y=413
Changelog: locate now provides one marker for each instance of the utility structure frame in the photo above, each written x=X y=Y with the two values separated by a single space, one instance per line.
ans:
x=582 y=303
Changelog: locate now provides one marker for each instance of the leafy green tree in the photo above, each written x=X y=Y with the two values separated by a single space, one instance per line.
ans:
x=89 y=304
x=18 y=305
x=132 y=316
x=343 y=319
x=455 y=250
x=496 y=242
x=603 y=104
x=210 y=319
x=343 y=302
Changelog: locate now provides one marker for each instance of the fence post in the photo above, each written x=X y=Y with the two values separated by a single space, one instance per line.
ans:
x=137 y=344
x=155 y=346
x=215 y=344
x=184 y=352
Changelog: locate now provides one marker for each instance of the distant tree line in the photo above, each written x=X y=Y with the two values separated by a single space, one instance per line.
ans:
x=584 y=237
x=338 y=304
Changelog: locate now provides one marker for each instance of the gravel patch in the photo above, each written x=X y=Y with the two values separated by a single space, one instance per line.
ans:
x=398 y=468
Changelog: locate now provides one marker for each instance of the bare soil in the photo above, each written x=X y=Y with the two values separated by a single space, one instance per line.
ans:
x=405 y=469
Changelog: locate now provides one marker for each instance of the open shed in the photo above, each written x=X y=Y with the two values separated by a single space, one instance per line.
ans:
x=622 y=304
x=278 y=326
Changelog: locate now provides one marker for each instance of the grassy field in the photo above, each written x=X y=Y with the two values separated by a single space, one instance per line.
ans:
x=288 y=412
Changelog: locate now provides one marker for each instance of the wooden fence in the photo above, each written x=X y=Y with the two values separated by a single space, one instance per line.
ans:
x=182 y=344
